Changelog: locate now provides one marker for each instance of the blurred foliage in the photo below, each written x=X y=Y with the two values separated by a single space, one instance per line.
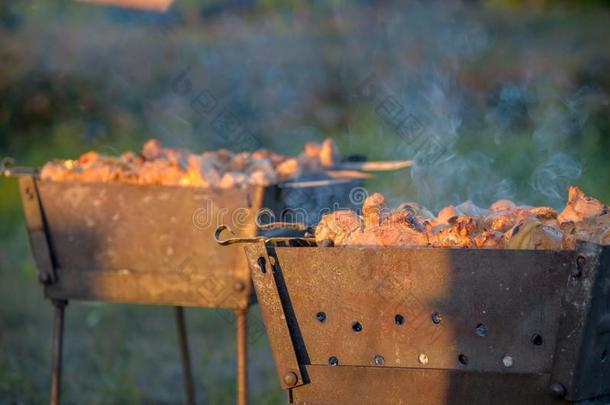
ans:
x=518 y=90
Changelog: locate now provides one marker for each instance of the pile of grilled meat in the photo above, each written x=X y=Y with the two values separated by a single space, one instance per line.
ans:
x=178 y=167
x=503 y=225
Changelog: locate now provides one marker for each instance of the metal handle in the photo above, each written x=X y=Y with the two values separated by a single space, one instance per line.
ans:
x=8 y=168
x=231 y=241
x=295 y=226
x=255 y=239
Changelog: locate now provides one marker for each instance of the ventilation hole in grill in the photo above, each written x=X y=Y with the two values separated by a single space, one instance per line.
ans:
x=481 y=330
x=537 y=340
x=436 y=318
x=604 y=356
x=356 y=326
x=262 y=264
x=321 y=316
x=463 y=359
x=333 y=361
x=399 y=319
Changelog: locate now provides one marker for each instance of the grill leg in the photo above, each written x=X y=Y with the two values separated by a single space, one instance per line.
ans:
x=241 y=334
x=184 y=356
x=57 y=349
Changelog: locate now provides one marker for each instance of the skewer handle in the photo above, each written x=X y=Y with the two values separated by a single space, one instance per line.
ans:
x=375 y=166
x=8 y=168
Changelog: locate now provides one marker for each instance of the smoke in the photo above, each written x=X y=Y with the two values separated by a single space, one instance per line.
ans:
x=552 y=177
x=510 y=136
x=489 y=104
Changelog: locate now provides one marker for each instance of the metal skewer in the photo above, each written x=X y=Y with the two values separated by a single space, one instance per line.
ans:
x=255 y=239
x=375 y=166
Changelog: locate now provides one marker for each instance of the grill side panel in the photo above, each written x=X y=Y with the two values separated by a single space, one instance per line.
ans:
x=146 y=244
x=475 y=326
x=411 y=386
x=490 y=311
x=582 y=360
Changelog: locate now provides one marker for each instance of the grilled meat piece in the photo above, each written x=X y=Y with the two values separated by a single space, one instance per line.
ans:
x=499 y=221
x=507 y=217
x=261 y=172
x=505 y=225
x=202 y=171
x=581 y=207
x=459 y=233
x=232 y=179
x=159 y=172
x=338 y=227
x=403 y=217
x=543 y=213
x=152 y=150
x=420 y=212
x=397 y=234
x=503 y=205
x=289 y=168
x=159 y=165
x=584 y=218
x=399 y=228
x=533 y=234
x=472 y=210
x=329 y=155
x=490 y=240
x=373 y=210
x=596 y=230
x=447 y=215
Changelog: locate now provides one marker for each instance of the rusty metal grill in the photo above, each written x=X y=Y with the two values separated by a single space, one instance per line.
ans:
x=153 y=245
x=436 y=326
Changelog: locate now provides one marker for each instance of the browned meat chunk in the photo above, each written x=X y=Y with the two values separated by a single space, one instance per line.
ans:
x=595 y=229
x=160 y=165
x=329 y=155
x=490 y=240
x=504 y=225
x=338 y=227
x=373 y=210
x=503 y=205
x=533 y=234
x=581 y=207
x=499 y=221
x=421 y=213
x=152 y=150
x=470 y=209
x=459 y=233
x=288 y=169
x=390 y=235
x=446 y=215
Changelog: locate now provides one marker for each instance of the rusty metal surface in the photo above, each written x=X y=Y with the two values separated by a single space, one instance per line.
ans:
x=582 y=362
x=145 y=244
x=153 y=244
x=149 y=245
x=185 y=358
x=241 y=350
x=308 y=205
x=35 y=223
x=365 y=294
x=490 y=326
x=265 y=278
x=394 y=386
x=57 y=351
